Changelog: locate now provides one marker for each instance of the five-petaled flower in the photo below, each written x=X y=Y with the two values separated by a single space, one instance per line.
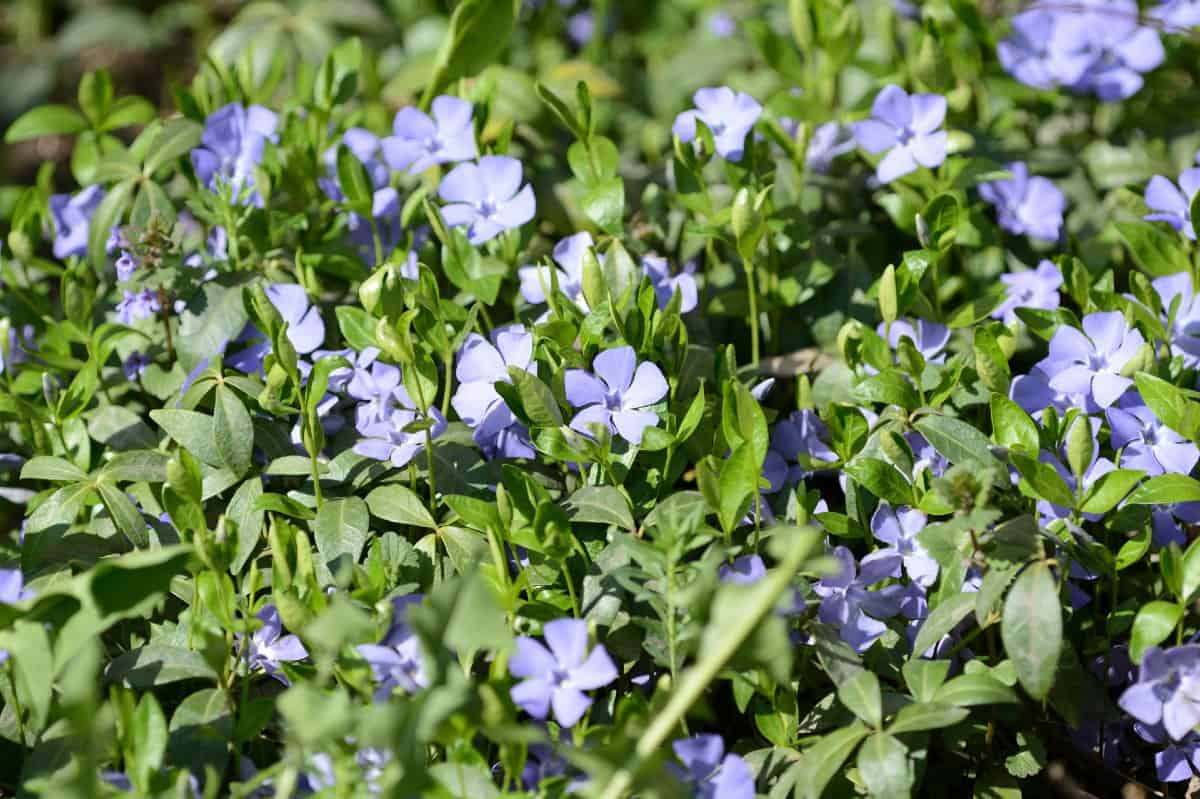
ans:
x=487 y=198
x=1173 y=204
x=269 y=647
x=617 y=396
x=481 y=365
x=709 y=772
x=1167 y=691
x=71 y=215
x=906 y=127
x=848 y=603
x=396 y=661
x=232 y=145
x=1026 y=205
x=1033 y=288
x=1146 y=443
x=305 y=328
x=537 y=280
x=1090 y=362
x=419 y=141
x=729 y=115
x=556 y=678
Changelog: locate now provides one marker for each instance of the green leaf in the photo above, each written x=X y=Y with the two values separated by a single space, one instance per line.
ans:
x=942 y=619
x=926 y=716
x=1169 y=403
x=46 y=120
x=396 y=503
x=233 y=432
x=884 y=767
x=862 y=697
x=61 y=507
x=1012 y=427
x=1032 y=629
x=969 y=690
x=889 y=387
x=277 y=503
x=1110 y=489
x=124 y=514
x=1166 y=489
x=221 y=318
x=821 y=762
x=1135 y=549
x=599 y=505
x=1044 y=480
x=1156 y=252
x=738 y=484
x=354 y=181
x=881 y=479
x=604 y=203
x=193 y=430
x=107 y=214
x=960 y=442
x=200 y=732
x=1191 y=572
x=248 y=518
x=340 y=530
x=479 y=30
x=28 y=644
x=136 y=466
x=176 y=138
x=465 y=779
x=924 y=677
x=357 y=326
x=159 y=664
x=537 y=400
x=48 y=467
x=1154 y=622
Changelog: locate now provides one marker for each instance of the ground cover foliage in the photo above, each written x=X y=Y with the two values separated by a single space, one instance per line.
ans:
x=673 y=399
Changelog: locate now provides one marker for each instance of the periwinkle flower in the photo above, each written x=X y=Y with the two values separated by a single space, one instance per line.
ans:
x=797 y=441
x=568 y=254
x=710 y=773
x=1178 y=760
x=72 y=215
x=360 y=363
x=481 y=365
x=1166 y=521
x=117 y=240
x=1184 y=328
x=898 y=528
x=930 y=338
x=722 y=25
x=232 y=144
x=20 y=345
x=135 y=365
x=1026 y=205
x=368 y=149
x=906 y=127
x=392 y=439
x=1090 y=362
x=1096 y=468
x=1036 y=288
x=556 y=678
x=1148 y=444
x=666 y=285
x=729 y=115
x=487 y=198
x=745 y=570
x=1173 y=204
x=385 y=211
x=925 y=457
x=1034 y=394
x=305 y=328
x=1045 y=49
x=269 y=647
x=848 y=603
x=1177 y=15
x=137 y=305
x=12 y=591
x=828 y=141
x=617 y=396
x=396 y=661
x=376 y=386
x=581 y=27
x=419 y=141
x=1167 y=691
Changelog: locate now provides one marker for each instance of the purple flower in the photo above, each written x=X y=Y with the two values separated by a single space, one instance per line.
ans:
x=305 y=328
x=710 y=773
x=420 y=141
x=1090 y=362
x=385 y=209
x=1149 y=444
x=828 y=141
x=126 y=265
x=907 y=127
x=1096 y=468
x=617 y=396
x=487 y=197
x=269 y=647
x=12 y=591
x=482 y=364
x=1036 y=288
x=930 y=338
x=666 y=284
x=137 y=305
x=1184 y=329
x=1167 y=691
x=1035 y=395
x=795 y=442
x=581 y=27
x=1177 y=761
x=745 y=570
x=1177 y=14
x=391 y=439
x=568 y=254
x=728 y=115
x=898 y=528
x=117 y=240
x=1026 y=205
x=367 y=148
x=71 y=215
x=1171 y=203
x=1045 y=49
x=1166 y=520
x=232 y=145
x=849 y=605
x=925 y=456
x=557 y=677
x=376 y=386
x=396 y=661
x=21 y=344
x=135 y=365
x=722 y=25
x=360 y=363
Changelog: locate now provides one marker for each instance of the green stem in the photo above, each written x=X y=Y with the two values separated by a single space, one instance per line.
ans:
x=695 y=681
x=752 y=294
x=17 y=710
x=376 y=241
x=566 y=573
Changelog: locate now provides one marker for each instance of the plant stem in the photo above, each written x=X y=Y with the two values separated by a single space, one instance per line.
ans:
x=566 y=573
x=752 y=294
